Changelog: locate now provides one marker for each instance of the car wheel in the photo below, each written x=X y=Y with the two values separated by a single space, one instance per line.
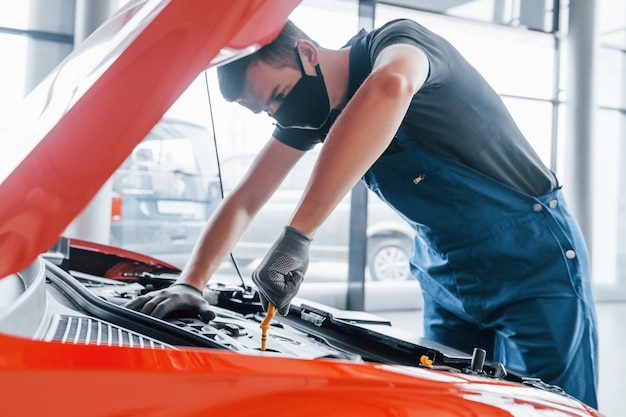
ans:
x=388 y=259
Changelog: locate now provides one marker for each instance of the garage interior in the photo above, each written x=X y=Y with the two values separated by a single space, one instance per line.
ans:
x=559 y=65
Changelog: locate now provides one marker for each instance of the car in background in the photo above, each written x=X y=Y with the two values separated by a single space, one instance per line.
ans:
x=389 y=237
x=161 y=193
x=69 y=347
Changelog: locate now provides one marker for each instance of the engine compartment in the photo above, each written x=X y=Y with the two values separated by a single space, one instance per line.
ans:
x=76 y=294
x=234 y=330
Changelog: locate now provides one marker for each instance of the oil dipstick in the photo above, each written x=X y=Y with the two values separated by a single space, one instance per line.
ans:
x=265 y=324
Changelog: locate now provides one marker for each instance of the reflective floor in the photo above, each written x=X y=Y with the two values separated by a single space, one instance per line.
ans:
x=612 y=330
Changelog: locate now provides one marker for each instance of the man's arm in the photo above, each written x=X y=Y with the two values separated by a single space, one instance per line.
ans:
x=360 y=135
x=221 y=233
x=362 y=132
x=236 y=212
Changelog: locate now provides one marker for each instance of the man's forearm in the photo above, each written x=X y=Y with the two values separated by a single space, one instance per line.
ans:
x=218 y=238
x=237 y=211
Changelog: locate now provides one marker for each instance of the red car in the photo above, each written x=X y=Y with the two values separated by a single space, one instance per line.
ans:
x=68 y=347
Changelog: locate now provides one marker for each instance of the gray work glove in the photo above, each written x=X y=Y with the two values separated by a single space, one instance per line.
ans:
x=281 y=272
x=180 y=299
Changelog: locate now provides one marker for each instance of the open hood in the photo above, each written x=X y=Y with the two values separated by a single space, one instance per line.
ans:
x=86 y=117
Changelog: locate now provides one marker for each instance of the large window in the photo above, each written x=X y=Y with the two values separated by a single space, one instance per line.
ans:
x=517 y=63
x=515 y=44
x=12 y=75
x=35 y=35
x=609 y=153
x=536 y=15
x=13 y=49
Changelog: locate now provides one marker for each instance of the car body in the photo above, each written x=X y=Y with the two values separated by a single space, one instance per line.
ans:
x=389 y=237
x=69 y=347
x=68 y=342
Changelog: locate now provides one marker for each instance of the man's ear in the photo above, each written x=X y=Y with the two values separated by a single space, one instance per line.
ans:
x=309 y=54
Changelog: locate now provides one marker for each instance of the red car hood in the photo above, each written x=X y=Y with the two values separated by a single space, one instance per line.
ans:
x=194 y=382
x=85 y=118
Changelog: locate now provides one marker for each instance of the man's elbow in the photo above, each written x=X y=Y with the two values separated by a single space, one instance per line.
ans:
x=397 y=85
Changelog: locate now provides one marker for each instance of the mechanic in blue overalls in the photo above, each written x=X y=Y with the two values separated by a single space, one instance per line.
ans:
x=501 y=261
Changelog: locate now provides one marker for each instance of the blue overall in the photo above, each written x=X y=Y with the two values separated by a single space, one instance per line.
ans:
x=498 y=269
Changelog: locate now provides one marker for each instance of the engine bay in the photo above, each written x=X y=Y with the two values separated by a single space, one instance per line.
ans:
x=76 y=294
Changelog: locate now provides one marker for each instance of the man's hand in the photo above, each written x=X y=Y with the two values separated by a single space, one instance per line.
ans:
x=179 y=299
x=281 y=272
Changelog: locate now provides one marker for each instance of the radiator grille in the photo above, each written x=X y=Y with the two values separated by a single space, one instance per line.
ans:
x=90 y=331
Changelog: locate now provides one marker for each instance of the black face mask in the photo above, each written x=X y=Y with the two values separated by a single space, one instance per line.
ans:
x=307 y=104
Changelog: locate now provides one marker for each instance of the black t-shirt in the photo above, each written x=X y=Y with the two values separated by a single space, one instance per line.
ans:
x=455 y=114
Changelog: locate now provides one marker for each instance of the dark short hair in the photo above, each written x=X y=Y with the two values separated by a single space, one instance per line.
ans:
x=279 y=52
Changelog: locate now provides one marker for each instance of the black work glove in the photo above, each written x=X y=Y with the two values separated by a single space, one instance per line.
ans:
x=281 y=272
x=180 y=300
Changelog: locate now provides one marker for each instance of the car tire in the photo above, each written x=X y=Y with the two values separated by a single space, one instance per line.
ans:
x=388 y=259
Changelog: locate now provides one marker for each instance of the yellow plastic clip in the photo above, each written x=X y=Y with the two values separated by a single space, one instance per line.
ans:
x=426 y=361
x=265 y=324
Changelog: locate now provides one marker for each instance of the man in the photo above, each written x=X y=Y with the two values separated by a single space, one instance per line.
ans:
x=501 y=262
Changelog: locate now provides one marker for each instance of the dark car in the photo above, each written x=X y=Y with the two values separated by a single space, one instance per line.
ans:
x=161 y=197
x=389 y=237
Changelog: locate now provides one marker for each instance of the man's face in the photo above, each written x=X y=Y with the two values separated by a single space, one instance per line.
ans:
x=267 y=86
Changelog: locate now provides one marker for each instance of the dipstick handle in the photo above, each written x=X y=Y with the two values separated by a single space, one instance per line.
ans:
x=265 y=324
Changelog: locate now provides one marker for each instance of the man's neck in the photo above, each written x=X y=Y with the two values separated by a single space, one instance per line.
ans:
x=335 y=65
